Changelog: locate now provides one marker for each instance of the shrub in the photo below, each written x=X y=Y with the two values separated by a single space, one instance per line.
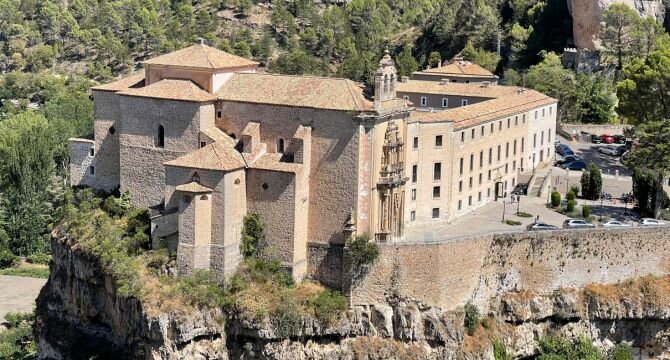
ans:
x=571 y=206
x=621 y=352
x=17 y=341
x=7 y=259
x=40 y=273
x=524 y=214
x=202 y=289
x=512 y=222
x=253 y=233
x=41 y=259
x=552 y=347
x=471 y=319
x=14 y=319
x=570 y=195
x=362 y=251
x=586 y=212
x=575 y=189
x=327 y=305
x=286 y=319
x=500 y=351
x=117 y=206
x=555 y=199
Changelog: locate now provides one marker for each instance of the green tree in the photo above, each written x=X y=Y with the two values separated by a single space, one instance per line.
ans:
x=487 y=60
x=643 y=94
x=405 y=63
x=297 y=62
x=617 y=33
x=435 y=59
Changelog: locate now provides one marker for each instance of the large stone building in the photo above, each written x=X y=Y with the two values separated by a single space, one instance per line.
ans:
x=202 y=139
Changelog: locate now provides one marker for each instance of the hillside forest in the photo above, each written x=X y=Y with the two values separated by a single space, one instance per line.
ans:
x=52 y=52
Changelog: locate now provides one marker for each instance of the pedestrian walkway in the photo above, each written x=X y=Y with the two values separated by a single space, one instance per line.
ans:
x=18 y=294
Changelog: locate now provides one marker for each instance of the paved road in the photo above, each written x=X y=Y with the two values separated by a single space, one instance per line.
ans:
x=18 y=293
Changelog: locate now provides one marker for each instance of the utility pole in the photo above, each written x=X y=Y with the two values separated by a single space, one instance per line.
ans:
x=498 y=40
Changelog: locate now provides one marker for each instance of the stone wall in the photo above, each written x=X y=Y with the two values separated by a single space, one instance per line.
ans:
x=594 y=129
x=325 y=264
x=478 y=268
x=80 y=162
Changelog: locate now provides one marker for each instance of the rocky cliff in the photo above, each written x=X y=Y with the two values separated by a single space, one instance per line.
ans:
x=587 y=16
x=80 y=315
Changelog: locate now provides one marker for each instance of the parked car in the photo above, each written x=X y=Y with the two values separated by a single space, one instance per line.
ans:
x=609 y=150
x=564 y=150
x=575 y=165
x=614 y=223
x=538 y=226
x=595 y=139
x=577 y=224
x=619 y=139
x=650 y=222
x=607 y=139
x=520 y=189
x=567 y=159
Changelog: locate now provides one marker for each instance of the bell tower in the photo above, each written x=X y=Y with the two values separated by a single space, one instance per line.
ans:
x=385 y=80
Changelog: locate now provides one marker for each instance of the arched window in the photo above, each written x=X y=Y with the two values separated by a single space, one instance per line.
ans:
x=159 y=141
x=280 y=145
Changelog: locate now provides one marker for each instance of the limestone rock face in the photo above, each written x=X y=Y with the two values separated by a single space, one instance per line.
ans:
x=587 y=16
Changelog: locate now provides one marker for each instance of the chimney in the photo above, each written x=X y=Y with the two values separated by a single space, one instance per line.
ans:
x=404 y=79
x=444 y=81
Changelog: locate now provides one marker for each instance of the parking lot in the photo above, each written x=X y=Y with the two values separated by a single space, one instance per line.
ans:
x=607 y=164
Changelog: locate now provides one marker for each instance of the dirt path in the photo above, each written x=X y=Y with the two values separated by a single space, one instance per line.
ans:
x=18 y=293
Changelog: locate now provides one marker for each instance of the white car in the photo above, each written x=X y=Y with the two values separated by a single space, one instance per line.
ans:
x=577 y=224
x=615 y=223
x=650 y=222
x=611 y=150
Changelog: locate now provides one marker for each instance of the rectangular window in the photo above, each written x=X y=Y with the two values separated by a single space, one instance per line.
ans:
x=436 y=213
x=438 y=141
x=514 y=148
x=513 y=181
x=92 y=152
x=464 y=102
x=460 y=204
x=481 y=159
x=423 y=101
x=218 y=114
x=413 y=194
x=514 y=165
x=523 y=118
x=481 y=132
x=499 y=151
x=549 y=135
x=436 y=192
x=535 y=114
x=500 y=125
x=460 y=186
x=415 y=170
x=470 y=200
x=462 y=136
x=480 y=178
x=508 y=123
x=489 y=175
x=472 y=134
x=412 y=215
x=534 y=140
x=492 y=128
x=516 y=120
x=437 y=171
x=470 y=183
x=521 y=164
x=507 y=150
x=488 y=192
x=445 y=102
x=523 y=140
x=506 y=168
x=92 y=170
x=479 y=196
x=472 y=162
x=550 y=110
x=542 y=138
x=415 y=143
x=490 y=156
x=542 y=112
x=460 y=167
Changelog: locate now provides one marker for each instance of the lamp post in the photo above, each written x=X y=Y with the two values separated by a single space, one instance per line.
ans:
x=503 y=217
x=518 y=202
x=602 y=195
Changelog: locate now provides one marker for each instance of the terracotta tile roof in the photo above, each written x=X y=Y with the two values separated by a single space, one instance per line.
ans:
x=298 y=91
x=193 y=187
x=437 y=88
x=172 y=89
x=272 y=162
x=460 y=68
x=202 y=56
x=215 y=156
x=134 y=80
x=471 y=115
x=218 y=135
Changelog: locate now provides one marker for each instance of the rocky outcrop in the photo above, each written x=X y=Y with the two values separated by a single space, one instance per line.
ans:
x=80 y=315
x=587 y=16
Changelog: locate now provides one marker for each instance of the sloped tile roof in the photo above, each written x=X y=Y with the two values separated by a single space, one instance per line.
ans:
x=215 y=156
x=193 y=187
x=133 y=80
x=172 y=89
x=298 y=91
x=218 y=135
x=460 y=68
x=459 y=89
x=485 y=111
x=272 y=162
x=201 y=56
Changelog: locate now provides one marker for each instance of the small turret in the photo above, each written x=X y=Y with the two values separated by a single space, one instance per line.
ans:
x=385 y=80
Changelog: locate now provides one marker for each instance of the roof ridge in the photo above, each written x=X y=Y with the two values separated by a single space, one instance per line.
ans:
x=351 y=93
x=204 y=50
x=497 y=110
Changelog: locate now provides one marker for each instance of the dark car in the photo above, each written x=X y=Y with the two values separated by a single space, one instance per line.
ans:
x=567 y=159
x=520 y=189
x=575 y=165
x=563 y=150
x=596 y=139
x=619 y=139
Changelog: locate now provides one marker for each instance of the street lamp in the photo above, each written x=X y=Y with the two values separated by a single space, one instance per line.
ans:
x=518 y=202
x=503 y=218
x=602 y=195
